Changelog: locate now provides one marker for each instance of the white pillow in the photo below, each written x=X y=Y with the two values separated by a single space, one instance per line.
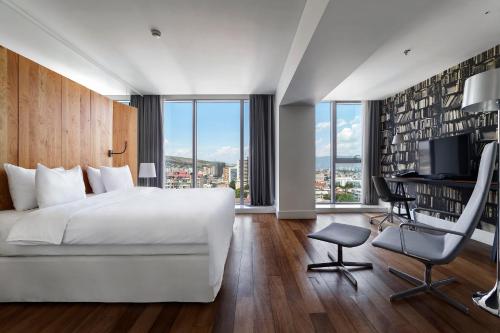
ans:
x=95 y=180
x=116 y=178
x=21 y=186
x=56 y=186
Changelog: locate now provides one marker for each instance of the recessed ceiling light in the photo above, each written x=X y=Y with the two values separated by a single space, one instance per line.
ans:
x=156 y=33
x=406 y=52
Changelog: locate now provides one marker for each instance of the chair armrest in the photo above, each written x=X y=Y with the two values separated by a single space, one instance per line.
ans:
x=421 y=226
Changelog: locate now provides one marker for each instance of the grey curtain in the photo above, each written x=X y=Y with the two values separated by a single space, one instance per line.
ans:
x=262 y=150
x=150 y=130
x=371 y=147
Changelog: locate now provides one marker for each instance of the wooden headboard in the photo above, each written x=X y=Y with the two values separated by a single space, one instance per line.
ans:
x=47 y=118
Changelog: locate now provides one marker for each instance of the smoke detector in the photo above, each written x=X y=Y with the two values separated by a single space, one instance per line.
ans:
x=156 y=33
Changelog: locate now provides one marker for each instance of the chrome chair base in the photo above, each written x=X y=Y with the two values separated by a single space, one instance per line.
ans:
x=426 y=286
x=342 y=266
x=488 y=301
x=389 y=217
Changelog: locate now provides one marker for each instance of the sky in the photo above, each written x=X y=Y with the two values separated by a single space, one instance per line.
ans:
x=349 y=134
x=218 y=132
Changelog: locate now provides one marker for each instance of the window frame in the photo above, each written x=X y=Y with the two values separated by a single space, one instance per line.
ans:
x=194 y=109
x=334 y=159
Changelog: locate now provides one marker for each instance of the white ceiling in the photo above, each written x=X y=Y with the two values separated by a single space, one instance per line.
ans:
x=228 y=47
x=207 y=47
x=439 y=36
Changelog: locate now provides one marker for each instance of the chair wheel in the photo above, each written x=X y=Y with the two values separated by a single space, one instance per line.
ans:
x=380 y=228
x=371 y=221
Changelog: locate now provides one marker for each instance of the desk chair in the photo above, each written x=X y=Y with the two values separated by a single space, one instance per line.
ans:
x=432 y=245
x=385 y=194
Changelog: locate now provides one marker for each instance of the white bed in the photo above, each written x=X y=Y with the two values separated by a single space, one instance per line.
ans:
x=136 y=245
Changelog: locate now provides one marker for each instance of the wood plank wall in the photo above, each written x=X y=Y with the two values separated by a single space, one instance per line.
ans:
x=125 y=129
x=8 y=119
x=47 y=118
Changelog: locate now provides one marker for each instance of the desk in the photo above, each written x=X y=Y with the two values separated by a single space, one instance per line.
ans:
x=464 y=184
x=443 y=182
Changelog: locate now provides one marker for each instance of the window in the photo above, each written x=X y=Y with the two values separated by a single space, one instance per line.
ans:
x=338 y=152
x=206 y=145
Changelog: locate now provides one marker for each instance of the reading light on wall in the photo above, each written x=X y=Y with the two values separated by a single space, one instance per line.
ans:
x=111 y=152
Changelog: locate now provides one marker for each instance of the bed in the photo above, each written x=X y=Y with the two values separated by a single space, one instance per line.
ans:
x=134 y=245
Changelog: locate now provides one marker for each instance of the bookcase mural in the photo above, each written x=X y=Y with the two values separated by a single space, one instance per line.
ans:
x=429 y=110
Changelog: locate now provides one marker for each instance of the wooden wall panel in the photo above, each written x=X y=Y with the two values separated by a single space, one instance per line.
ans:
x=46 y=118
x=8 y=119
x=101 y=129
x=125 y=129
x=39 y=115
x=75 y=124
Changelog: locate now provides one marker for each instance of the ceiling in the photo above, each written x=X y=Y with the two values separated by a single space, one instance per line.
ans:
x=337 y=49
x=440 y=35
x=207 y=47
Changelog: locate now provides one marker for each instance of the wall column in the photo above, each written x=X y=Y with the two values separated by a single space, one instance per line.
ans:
x=295 y=162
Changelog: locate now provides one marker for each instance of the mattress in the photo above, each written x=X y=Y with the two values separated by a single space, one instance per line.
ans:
x=9 y=217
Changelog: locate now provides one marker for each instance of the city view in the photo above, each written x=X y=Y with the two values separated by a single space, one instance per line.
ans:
x=218 y=146
x=345 y=186
x=211 y=174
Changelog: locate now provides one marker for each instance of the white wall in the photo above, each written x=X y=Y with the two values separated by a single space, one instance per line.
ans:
x=295 y=160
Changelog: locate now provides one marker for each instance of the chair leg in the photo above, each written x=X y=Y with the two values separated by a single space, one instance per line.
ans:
x=426 y=286
x=457 y=305
x=408 y=293
x=406 y=277
x=444 y=282
x=376 y=217
x=349 y=276
x=379 y=225
x=323 y=265
x=342 y=265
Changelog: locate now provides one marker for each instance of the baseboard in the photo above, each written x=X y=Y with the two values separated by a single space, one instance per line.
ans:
x=482 y=236
x=296 y=214
x=349 y=208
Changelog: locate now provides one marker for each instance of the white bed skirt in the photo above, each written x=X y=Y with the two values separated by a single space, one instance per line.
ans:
x=134 y=279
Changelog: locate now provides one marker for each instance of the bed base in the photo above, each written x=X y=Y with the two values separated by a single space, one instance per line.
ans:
x=134 y=279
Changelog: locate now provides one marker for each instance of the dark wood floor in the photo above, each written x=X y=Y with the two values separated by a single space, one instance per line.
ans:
x=267 y=289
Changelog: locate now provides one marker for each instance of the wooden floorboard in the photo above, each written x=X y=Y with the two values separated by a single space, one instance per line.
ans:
x=266 y=288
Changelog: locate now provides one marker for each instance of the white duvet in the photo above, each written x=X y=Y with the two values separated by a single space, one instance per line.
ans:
x=137 y=216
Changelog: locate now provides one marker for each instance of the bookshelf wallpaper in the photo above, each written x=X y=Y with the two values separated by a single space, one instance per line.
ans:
x=431 y=109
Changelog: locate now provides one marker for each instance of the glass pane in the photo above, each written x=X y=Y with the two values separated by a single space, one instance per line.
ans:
x=178 y=143
x=349 y=133
x=218 y=136
x=348 y=182
x=323 y=158
x=246 y=142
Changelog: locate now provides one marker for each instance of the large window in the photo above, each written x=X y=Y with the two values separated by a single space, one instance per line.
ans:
x=206 y=145
x=338 y=152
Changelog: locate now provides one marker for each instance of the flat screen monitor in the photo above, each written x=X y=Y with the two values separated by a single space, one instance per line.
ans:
x=445 y=157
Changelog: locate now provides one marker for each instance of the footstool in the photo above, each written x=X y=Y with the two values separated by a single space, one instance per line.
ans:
x=343 y=235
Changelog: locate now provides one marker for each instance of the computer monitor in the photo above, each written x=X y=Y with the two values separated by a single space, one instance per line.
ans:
x=448 y=157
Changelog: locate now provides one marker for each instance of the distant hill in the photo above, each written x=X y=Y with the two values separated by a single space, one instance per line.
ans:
x=176 y=161
x=322 y=162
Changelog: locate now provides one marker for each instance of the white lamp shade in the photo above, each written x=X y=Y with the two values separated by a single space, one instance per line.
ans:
x=397 y=139
x=482 y=92
x=147 y=170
